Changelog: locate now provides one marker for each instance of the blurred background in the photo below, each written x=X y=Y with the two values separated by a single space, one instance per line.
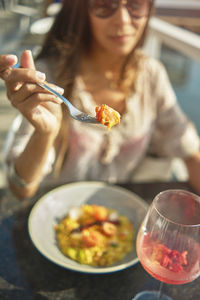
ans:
x=174 y=38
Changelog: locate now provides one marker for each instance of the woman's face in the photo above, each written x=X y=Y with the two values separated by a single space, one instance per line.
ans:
x=118 y=33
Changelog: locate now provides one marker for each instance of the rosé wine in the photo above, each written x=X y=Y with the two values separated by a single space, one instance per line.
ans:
x=173 y=266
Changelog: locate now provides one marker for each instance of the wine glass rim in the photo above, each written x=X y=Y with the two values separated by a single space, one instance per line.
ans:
x=175 y=190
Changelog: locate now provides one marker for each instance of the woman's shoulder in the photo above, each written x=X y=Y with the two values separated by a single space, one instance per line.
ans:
x=151 y=64
x=152 y=71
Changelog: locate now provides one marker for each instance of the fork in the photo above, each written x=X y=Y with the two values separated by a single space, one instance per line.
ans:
x=74 y=112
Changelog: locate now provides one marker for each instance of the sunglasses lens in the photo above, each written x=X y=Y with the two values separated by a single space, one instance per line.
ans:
x=106 y=8
x=103 y=8
x=138 y=8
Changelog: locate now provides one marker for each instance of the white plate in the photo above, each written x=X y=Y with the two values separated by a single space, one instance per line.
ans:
x=55 y=205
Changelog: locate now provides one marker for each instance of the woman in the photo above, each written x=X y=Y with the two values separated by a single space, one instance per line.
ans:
x=93 y=51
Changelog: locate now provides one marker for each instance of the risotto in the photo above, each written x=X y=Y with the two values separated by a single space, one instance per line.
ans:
x=95 y=235
x=107 y=116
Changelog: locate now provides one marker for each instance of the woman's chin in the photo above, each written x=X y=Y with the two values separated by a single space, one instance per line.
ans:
x=121 y=48
x=120 y=52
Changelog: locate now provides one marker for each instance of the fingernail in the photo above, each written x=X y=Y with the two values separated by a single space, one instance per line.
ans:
x=29 y=51
x=59 y=90
x=11 y=58
x=59 y=100
x=40 y=75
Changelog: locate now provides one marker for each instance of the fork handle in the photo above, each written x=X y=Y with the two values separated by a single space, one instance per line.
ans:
x=48 y=88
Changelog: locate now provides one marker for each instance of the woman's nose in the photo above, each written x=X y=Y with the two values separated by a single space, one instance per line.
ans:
x=122 y=14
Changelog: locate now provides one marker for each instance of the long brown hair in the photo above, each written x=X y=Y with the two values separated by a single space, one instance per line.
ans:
x=69 y=37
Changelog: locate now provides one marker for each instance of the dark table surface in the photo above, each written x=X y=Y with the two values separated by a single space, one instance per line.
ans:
x=26 y=274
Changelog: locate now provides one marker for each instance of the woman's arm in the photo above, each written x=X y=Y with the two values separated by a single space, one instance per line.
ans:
x=193 y=168
x=30 y=164
x=42 y=110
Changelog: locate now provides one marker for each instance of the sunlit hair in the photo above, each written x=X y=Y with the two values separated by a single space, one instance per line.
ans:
x=67 y=41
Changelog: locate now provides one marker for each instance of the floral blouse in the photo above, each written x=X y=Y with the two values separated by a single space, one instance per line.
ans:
x=152 y=124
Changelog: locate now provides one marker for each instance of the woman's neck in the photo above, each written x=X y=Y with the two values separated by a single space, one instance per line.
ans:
x=101 y=76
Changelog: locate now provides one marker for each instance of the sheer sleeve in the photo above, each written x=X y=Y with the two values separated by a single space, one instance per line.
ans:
x=17 y=138
x=174 y=135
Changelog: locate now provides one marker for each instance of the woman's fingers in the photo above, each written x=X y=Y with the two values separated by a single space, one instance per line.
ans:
x=11 y=76
x=28 y=106
x=34 y=101
x=7 y=61
x=30 y=91
x=27 y=60
x=26 y=73
x=15 y=78
x=21 y=83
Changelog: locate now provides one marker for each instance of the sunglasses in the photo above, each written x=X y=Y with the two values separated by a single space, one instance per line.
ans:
x=106 y=8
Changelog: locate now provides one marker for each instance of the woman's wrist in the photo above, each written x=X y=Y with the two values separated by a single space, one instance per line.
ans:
x=28 y=167
x=17 y=180
x=48 y=137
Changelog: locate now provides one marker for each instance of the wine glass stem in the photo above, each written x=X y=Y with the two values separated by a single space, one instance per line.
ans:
x=160 y=293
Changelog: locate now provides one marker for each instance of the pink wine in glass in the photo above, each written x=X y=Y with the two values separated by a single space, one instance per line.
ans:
x=168 y=241
x=173 y=266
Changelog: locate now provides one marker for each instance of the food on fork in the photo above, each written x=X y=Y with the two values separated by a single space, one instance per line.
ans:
x=107 y=116
x=94 y=235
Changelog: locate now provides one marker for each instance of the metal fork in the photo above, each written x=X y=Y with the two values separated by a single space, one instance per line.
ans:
x=74 y=112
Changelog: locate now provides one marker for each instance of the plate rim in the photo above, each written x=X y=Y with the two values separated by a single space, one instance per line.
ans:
x=87 y=269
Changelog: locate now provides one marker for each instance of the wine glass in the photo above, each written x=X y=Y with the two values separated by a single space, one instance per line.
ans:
x=168 y=242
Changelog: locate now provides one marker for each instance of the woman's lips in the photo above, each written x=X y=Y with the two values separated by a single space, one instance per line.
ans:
x=121 y=38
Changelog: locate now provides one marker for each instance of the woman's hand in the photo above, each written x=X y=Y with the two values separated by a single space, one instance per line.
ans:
x=40 y=107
